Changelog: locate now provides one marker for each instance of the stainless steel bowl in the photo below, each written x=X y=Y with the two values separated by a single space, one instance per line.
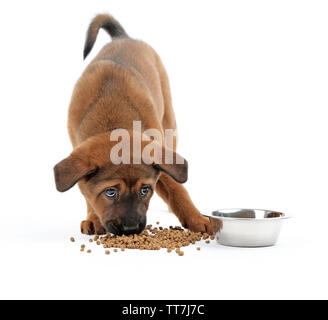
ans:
x=246 y=227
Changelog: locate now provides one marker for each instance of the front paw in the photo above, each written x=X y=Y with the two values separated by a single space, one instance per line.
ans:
x=199 y=224
x=92 y=227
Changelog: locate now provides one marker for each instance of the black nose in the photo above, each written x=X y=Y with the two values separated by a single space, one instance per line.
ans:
x=126 y=226
x=130 y=229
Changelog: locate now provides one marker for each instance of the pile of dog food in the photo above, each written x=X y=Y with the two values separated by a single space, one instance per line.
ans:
x=152 y=238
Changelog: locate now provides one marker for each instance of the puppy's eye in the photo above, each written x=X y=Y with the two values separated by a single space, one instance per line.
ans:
x=111 y=193
x=144 y=191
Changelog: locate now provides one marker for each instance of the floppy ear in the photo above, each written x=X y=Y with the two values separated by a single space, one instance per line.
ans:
x=70 y=170
x=178 y=170
x=84 y=160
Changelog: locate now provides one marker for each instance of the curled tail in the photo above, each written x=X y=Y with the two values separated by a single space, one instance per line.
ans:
x=106 y=22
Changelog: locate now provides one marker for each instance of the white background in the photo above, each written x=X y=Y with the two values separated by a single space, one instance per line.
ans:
x=249 y=83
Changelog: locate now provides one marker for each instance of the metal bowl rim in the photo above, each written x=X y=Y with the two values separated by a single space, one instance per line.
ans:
x=283 y=217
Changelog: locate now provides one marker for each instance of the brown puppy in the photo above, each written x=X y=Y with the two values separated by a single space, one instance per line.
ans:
x=126 y=82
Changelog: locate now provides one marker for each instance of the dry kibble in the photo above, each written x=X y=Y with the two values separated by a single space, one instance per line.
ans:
x=152 y=238
x=212 y=237
x=207 y=241
x=83 y=246
x=72 y=239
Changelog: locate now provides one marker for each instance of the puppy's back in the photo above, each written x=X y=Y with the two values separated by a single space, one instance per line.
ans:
x=124 y=69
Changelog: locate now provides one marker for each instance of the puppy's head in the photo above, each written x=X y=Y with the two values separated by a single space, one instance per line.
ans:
x=118 y=194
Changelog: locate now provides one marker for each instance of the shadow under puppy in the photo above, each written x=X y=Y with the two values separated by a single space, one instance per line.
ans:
x=125 y=82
